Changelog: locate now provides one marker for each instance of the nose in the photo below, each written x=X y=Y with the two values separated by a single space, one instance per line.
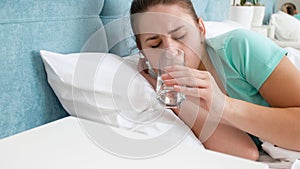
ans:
x=168 y=42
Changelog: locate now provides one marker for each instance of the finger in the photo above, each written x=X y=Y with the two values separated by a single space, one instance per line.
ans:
x=190 y=91
x=188 y=81
x=174 y=68
x=186 y=73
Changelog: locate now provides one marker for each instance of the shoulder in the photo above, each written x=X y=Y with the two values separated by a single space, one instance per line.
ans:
x=242 y=37
x=242 y=43
x=240 y=32
x=253 y=43
x=236 y=39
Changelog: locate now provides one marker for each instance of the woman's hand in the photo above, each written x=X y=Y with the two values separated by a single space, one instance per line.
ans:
x=196 y=85
x=200 y=88
x=144 y=71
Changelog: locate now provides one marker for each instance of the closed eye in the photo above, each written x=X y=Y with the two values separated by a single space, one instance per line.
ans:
x=156 y=46
x=180 y=37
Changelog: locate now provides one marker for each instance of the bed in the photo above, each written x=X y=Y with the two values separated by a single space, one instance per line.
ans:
x=64 y=32
x=63 y=144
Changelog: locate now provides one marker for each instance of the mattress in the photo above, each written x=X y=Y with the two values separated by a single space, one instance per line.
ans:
x=65 y=144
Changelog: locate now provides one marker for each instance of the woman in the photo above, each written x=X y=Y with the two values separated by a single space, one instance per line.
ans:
x=290 y=9
x=261 y=90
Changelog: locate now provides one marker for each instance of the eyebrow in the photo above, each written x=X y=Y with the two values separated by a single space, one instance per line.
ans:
x=156 y=36
x=175 y=30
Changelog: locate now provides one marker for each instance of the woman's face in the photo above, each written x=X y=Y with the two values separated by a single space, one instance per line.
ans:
x=171 y=26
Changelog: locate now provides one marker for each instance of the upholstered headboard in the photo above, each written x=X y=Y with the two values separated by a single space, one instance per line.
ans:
x=116 y=20
x=25 y=28
x=64 y=26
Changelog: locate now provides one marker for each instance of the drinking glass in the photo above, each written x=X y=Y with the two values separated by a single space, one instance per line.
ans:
x=166 y=95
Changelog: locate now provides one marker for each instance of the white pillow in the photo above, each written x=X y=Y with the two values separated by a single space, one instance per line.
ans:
x=91 y=83
x=106 y=88
x=287 y=27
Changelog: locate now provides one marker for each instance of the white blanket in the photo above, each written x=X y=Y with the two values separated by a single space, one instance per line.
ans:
x=280 y=153
x=65 y=144
x=281 y=158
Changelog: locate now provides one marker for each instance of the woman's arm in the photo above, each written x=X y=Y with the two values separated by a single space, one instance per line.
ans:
x=280 y=124
x=225 y=139
x=208 y=129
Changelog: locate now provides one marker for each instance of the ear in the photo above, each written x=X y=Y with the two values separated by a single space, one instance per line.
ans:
x=202 y=26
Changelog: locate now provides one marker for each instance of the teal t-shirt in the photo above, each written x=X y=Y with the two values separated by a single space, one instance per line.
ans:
x=244 y=60
x=297 y=16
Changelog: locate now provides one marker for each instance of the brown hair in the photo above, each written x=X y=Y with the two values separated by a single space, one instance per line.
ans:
x=140 y=6
x=289 y=8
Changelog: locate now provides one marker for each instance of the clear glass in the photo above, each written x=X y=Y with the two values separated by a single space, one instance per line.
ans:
x=166 y=95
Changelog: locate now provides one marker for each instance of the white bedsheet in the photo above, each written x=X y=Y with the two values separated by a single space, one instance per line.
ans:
x=280 y=153
x=63 y=144
x=280 y=158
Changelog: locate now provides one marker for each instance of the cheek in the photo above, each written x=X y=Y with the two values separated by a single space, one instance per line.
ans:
x=152 y=56
x=193 y=51
x=192 y=60
x=153 y=62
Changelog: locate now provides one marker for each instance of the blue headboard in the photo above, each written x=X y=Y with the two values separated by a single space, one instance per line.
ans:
x=123 y=44
x=26 y=27
x=64 y=26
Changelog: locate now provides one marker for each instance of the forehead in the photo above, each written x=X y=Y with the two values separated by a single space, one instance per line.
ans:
x=162 y=19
